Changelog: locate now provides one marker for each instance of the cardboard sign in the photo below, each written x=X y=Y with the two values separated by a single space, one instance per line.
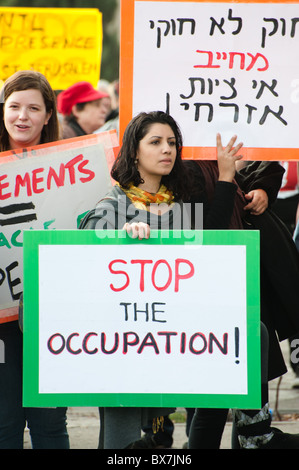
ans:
x=217 y=66
x=47 y=187
x=170 y=321
x=64 y=44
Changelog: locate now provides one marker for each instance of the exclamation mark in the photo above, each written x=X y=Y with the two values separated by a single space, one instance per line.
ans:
x=183 y=343
x=237 y=336
x=167 y=103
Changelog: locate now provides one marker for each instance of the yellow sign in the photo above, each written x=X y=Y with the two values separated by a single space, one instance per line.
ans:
x=65 y=44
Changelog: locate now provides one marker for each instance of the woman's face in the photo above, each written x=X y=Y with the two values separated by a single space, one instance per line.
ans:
x=156 y=152
x=92 y=116
x=24 y=118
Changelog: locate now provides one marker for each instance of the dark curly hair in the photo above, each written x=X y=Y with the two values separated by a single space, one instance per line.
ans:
x=124 y=170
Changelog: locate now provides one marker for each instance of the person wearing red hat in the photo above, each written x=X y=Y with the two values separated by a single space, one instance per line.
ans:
x=83 y=109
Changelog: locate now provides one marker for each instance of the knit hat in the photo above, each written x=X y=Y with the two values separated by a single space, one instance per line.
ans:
x=81 y=92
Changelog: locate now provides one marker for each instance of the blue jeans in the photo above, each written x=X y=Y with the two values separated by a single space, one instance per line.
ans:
x=47 y=425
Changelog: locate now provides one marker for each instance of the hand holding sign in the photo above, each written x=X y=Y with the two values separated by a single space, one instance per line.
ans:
x=137 y=229
x=258 y=201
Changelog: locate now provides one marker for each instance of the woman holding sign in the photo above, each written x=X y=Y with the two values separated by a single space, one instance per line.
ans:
x=28 y=118
x=151 y=184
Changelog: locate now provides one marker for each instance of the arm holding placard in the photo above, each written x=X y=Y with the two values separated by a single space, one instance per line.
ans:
x=260 y=182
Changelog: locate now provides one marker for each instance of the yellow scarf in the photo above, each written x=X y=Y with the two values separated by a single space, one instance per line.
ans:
x=142 y=199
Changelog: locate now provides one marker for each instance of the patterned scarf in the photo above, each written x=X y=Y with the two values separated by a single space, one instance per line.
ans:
x=142 y=199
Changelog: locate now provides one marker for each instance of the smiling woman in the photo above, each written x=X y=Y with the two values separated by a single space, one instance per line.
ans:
x=28 y=114
x=28 y=117
x=25 y=116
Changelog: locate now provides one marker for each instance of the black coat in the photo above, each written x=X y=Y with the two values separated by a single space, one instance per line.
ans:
x=279 y=276
x=279 y=259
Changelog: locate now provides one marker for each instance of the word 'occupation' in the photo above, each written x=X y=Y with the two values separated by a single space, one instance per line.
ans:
x=197 y=343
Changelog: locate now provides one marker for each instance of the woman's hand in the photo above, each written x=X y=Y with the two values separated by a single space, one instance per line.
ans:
x=258 y=201
x=137 y=229
x=227 y=158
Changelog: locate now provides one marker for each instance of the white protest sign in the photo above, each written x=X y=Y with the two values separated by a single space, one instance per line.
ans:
x=47 y=187
x=117 y=319
x=228 y=67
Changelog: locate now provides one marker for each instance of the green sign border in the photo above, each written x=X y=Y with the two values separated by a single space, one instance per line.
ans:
x=31 y=395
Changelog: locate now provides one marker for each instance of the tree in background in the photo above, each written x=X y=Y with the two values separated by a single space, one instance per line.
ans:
x=110 y=11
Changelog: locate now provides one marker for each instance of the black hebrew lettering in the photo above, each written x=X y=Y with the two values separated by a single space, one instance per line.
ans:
x=231 y=84
x=197 y=111
x=170 y=26
x=214 y=24
x=202 y=82
x=276 y=114
x=224 y=94
x=276 y=26
x=250 y=112
x=264 y=85
x=234 y=106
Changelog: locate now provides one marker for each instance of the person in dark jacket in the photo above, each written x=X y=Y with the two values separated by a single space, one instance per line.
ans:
x=231 y=201
x=83 y=109
x=279 y=300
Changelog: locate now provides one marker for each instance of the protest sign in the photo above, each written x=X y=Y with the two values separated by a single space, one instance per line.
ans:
x=215 y=66
x=169 y=321
x=65 y=44
x=47 y=187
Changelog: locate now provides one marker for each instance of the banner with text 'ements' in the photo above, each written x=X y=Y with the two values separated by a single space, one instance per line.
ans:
x=47 y=187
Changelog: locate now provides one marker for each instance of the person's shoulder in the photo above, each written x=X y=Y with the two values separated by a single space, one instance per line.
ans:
x=67 y=131
x=113 y=195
